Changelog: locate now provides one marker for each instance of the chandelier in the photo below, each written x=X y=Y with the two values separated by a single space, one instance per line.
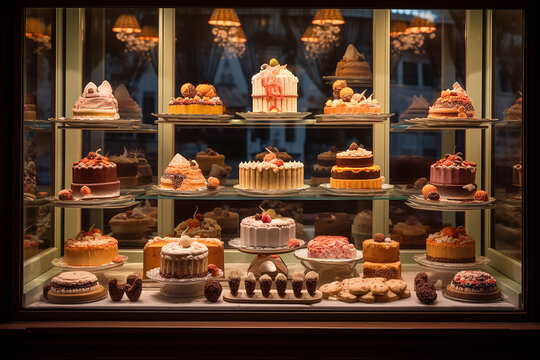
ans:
x=411 y=38
x=228 y=33
x=323 y=35
x=136 y=39
x=35 y=31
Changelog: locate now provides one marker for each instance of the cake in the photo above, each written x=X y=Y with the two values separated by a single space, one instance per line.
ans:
x=73 y=287
x=454 y=177
x=325 y=162
x=354 y=169
x=131 y=224
x=271 y=174
x=282 y=155
x=98 y=174
x=419 y=108
x=381 y=257
x=30 y=247
x=126 y=169
x=517 y=174
x=29 y=112
x=330 y=247
x=346 y=101
x=353 y=64
x=183 y=175
x=450 y=245
x=208 y=158
x=410 y=233
x=291 y=209
x=453 y=103
x=362 y=222
x=473 y=285
x=333 y=224
x=202 y=99
x=274 y=89
x=144 y=170
x=128 y=109
x=90 y=248
x=96 y=103
x=515 y=112
x=229 y=221
x=184 y=259
x=266 y=229
x=199 y=225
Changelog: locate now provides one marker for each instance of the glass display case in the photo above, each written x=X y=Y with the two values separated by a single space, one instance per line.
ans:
x=347 y=164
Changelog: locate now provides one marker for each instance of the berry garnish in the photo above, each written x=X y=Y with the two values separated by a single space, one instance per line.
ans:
x=269 y=157
x=266 y=219
x=85 y=191
x=277 y=162
x=379 y=237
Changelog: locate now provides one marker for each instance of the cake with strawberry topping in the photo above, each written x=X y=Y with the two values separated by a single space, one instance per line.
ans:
x=330 y=247
x=453 y=103
x=354 y=169
x=184 y=175
x=453 y=177
x=267 y=229
x=274 y=89
x=202 y=99
x=96 y=103
x=474 y=285
x=90 y=248
x=271 y=174
x=450 y=245
x=94 y=177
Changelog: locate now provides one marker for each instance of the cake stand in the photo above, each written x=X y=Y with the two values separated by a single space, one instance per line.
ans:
x=180 y=288
x=267 y=260
x=194 y=193
x=418 y=202
x=356 y=192
x=270 y=193
x=330 y=269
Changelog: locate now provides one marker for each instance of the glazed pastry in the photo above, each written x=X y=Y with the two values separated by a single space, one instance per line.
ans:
x=212 y=290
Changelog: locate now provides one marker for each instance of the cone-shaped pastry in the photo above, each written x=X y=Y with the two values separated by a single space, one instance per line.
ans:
x=311 y=282
x=281 y=284
x=265 y=282
x=298 y=283
x=249 y=283
x=234 y=281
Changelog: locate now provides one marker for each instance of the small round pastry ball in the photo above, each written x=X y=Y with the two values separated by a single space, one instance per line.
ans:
x=65 y=194
x=426 y=293
x=433 y=196
x=338 y=85
x=427 y=189
x=188 y=90
x=481 y=195
x=212 y=290
x=346 y=93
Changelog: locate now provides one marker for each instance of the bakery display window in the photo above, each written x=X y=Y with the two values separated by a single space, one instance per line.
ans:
x=200 y=162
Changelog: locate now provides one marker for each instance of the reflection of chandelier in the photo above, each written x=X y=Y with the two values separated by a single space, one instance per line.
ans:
x=411 y=38
x=228 y=34
x=323 y=35
x=135 y=39
x=35 y=30
x=328 y=17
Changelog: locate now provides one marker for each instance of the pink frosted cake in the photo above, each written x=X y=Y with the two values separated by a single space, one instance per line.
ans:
x=453 y=177
x=331 y=247
x=267 y=230
x=96 y=103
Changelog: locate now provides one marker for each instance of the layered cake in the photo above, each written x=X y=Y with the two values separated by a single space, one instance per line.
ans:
x=381 y=257
x=354 y=169
x=515 y=112
x=131 y=224
x=346 y=101
x=454 y=177
x=410 y=233
x=73 y=287
x=184 y=259
x=96 y=103
x=473 y=285
x=128 y=109
x=202 y=99
x=209 y=159
x=419 y=108
x=200 y=226
x=90 y=248
x=229 y=221
x=184 y=175
x=453 y=103
x=323 y=167
x=95 y=177
x=274 y=89
x=271 y=173
x=450 y=245
x=331 y=247
x=126 y=169
x=353 y=64
x=333 y=224
x=266 y=229
x=282 y=155
x=517 y=174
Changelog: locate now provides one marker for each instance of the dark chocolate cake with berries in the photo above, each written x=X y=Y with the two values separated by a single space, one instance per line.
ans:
x=94 y=177
x=454 y=177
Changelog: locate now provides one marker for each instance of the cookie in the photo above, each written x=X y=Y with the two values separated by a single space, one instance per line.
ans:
x=405 y=294
x=389 y=296
x=347 y=296
x=396 y=286
x=367 y=298
x=375 y=279
x=348 y=282
x=379 y=288
x=359 y=288
x=331 y=289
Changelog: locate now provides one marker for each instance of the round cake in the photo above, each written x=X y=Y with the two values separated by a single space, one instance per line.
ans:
x=453 y=177
x=96 y=103
x=450 y=245
x=353 y=64
x=183 y=175
x=330 y=247
x=266 y=230
x=274 y=89
x=410 y=233
x=381 y=250
x=323 y=167
x=98 y=174
x=74 y=282
x=271 y=174
x=354 y=169
x=207 y=158
x=202 y=99
x=473 y=285
x=226 y=219
x=131 y=224
x=126 y=169
x=184 y=259
x=90 y=248
x=453 y=103
x=333 y=224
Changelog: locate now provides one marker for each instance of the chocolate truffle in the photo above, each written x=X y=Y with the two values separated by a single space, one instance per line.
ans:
x=135 y=290
x=212 y=290
x=298 y=283
x=419 y=279
x=249 y=283
x=116 y=291
x=426 y=293
x=265 y=283
x=311 y=282
x=281 y=284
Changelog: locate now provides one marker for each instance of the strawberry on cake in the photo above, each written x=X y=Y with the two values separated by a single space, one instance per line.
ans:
x=453 y=103
x=331 y=247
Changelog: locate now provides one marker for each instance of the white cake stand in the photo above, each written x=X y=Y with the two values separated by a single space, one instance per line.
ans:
x=180 y=288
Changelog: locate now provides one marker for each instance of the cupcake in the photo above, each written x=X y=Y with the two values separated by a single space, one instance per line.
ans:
x=311 y=282
x=281 y=284
x=298 y=283
x=265 y=282
x=234 y=281
x=249 y=283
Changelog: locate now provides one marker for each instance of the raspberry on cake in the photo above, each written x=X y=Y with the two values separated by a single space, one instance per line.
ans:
x=354 y=169
x=453 y=177
x=453 y=103
x=98 y=174
x=96 y=103
x=274 y=89
x=450 y=245
x=331 y=247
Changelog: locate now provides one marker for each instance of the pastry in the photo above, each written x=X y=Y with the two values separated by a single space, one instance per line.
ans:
x=346 y=296
x=359 y=288
x=73 y=282
x=380 y=249
x=331 y=289
x=183 y=175
x=386 y=297
x=202 y=99
x=282 y=155
x=249 y=283
x=362 y=222
x=265 y=283
x=410 y=233
x=397 y=286
x=331 y=247
x=354 y=169
x=274 y=89
x=131 y=224
x=234 y=281
x=325 y=162
x=206 y=159
x=391 y=270
x=30 y=177
x=367 y=298
x=473 y=285
x=311 y=282
x=281 y=284
x=450 y=245
x=128 y=109
x=419 y=279
x=379 y=288
x=226 y=219
x=297 y=283
x=419 y=108
x=353 y=64
x=199 y=225
x=454 y=177
x=126 y=169
x=96 y=103
x=212 y=290
x=266 y=229
x=134 y=289
x=144 y=170
x=116 y=291
x=426 y=293
x=453 y=103
x=330 y=224
x=185 y=258
x=347 y=102
x=90 y=248
x=94 y=177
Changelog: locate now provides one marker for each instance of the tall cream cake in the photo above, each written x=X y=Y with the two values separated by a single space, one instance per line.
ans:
x=274 y=89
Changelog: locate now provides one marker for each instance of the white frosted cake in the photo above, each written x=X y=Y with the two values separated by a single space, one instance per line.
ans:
x=263 y=230
x=269 y=175
x=274 y=89
x=183 y=259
